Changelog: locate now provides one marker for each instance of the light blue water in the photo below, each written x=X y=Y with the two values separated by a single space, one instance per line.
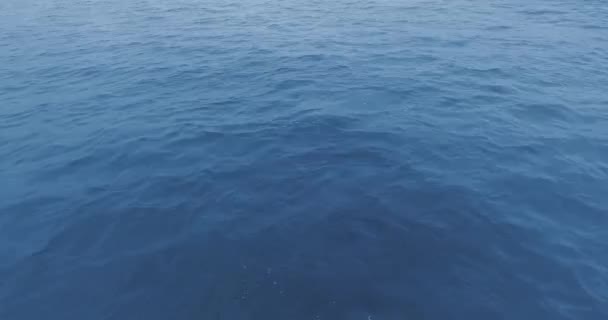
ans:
x=266 y=159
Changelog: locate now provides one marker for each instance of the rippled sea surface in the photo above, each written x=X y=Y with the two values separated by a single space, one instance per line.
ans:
x=296 y=159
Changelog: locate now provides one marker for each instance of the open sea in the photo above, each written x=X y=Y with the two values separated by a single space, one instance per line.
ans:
x=303 y=159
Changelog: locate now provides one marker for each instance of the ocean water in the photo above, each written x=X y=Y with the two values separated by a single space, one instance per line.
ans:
x=284 y=159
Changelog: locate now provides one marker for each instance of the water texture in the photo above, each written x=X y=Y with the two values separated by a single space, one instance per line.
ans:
x=296 y=159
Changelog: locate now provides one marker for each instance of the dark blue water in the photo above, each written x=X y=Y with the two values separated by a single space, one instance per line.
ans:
x=294 y=159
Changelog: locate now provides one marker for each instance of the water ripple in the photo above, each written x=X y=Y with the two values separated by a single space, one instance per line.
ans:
x=353 y=159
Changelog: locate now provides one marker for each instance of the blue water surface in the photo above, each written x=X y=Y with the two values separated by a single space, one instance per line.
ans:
x=304 y=159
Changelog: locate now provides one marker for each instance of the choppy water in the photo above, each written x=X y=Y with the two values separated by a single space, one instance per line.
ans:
x=294 y=159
